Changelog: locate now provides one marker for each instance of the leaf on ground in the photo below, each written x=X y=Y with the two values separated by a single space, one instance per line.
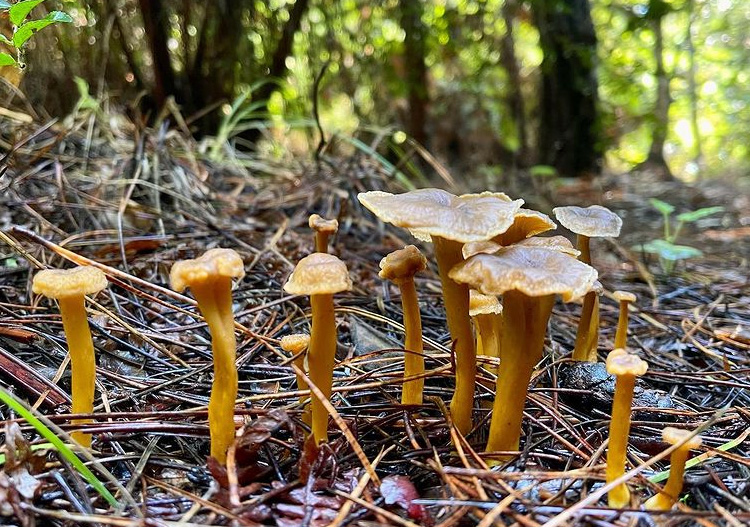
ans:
x=399 y=490
x=17 y=481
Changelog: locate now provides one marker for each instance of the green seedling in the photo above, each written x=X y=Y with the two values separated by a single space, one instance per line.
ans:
x=24 y=28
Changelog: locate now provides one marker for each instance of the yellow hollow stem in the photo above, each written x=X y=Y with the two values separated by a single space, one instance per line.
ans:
x=321 y=356
x=619 y=428
x=321 y=242
x=525 y=326
x=82 y=361
x=587 y=338
x=584 y=243
x=414 y=361
x=489 y=329
x=621 y=335
x=215 y=303
x=456 y=299
x=664 y=500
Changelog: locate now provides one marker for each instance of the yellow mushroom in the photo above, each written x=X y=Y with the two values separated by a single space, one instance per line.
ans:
x=209 y=277
x=625 y=367
x=324 y=229
x=320 y=275
x=69 y=287
x=296 y=345
x=487 y=313
x=625 y=298
x=665 y=500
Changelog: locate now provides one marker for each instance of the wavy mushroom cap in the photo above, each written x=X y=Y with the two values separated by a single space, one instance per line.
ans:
x=594 y=221
x=318 y=274
x=526 y=223
x=402 y=264
x=434 y=212
x=624 y=296
x=480 y=304
x=213 y=264
x=620 y=362
x=319 y=224
x=65 y=283
x=529 y=270
x=480 y=247
x=673 y=436
x=553 y=243
x=295 y=343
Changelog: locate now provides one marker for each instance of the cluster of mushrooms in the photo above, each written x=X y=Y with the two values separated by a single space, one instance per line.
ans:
x=494 y=269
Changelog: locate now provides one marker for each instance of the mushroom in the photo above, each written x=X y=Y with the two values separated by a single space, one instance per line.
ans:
x=323 y=230
x=593 y=221
x=449 y=221
x=488 y=318
x=320 y=275
x=209 y=277
x=625 y=298
x=400 y=267
x=69 y=287
x=556 y=243
x=526 y=223
x=296 y=344
x=528 y=278
x=667 y=497
x=625 y=367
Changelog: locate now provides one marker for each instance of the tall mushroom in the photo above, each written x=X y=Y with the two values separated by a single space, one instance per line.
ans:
x=528 y=279
x=209 y=277
x=324 y=229
x=594 y=221
x=624 y=298
x=449 y=221
x=400 y=267
x=667 y=497
x=320 y=275
x=69 y=287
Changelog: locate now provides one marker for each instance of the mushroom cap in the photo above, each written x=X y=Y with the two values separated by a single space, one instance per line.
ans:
x=402 y=264
x=318 y=274
x=624 y=296
x=526 y=223
x=295 y=342
x=594 y=221
x=319 y=224
x=66 y=283
x=434 y=212
x=529 y=270
x=673 y=436
x=480 y=247
x=213 y=264
x=554 y=243
x=620 y=362
x=480 y=304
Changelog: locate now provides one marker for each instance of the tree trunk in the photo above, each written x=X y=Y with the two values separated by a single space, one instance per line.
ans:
x=416 y=69
x=568 y=127
x=693 y=89
x=661 y=108
x=155 y=22
x=515 y=97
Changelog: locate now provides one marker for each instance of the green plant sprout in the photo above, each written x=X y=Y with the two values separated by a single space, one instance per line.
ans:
x=24 y=29
x=666 y=247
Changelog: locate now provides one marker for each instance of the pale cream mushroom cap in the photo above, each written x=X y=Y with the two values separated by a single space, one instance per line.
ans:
x=66 y=283
x=624 y=296
x=553 y=243
x=402 y=264
x=620 y=362
x=213 y=264
x=319 y=224
x=434 y=212
x=673 y=436
x=480 y=247
x=480 y=304
x=594 y=221
x=295 y=343
x=529 y=270
x=526 y=223
x=318 y=274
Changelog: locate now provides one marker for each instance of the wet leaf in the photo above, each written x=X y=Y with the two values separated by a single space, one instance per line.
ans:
x=399 y=490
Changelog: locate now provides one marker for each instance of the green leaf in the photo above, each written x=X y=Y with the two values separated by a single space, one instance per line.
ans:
x=669 y=251
x=543 y=170
x=25 y=32
x=6 y=60
x=662 y=206
x=699 y=214
x=19 y=11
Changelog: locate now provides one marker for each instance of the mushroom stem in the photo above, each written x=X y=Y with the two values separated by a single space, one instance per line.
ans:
x=321 y=241
x=215 y=303
x=621 y=335
x=584 y=246
x=321 y=357
x=456 y=299
x=525 y=326
x=413 y=359
x=667 y=497
x=82 y=360
x=619 y=429
x=489 y=329
x=587 y=337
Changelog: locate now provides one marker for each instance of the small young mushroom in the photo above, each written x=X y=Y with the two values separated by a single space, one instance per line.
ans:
x=69 y=287
x=320 y=275
x=625 y=367
x=323 y=230
x=400 y=267
x=296 y=345
x=449 y=221
x=625 y=298
x=528 y=278
x=209 y=277
x=594 y=221
x=487 y=313
x=664 y=500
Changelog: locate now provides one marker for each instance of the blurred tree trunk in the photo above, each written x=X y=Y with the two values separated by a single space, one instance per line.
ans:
x=156 y=24
x=692 y=88
x=515 y=97
x=567 y=137
x=415 y=49
x=661 y=108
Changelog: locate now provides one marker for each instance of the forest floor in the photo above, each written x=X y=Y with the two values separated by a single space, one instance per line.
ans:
x=137 y=202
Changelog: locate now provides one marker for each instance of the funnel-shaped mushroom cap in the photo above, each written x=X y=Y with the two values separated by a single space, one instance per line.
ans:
x=480 y=304
x=529 y=270
x=65 y=283
x=434 y=212
x=318 y=274
x=295 y=342
x=320 y=224
x=677 y=435
x=213 y=264
x=526 y=223
x=624 y=296
x=620 y=362
x=402 y=264
x=594 y=221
